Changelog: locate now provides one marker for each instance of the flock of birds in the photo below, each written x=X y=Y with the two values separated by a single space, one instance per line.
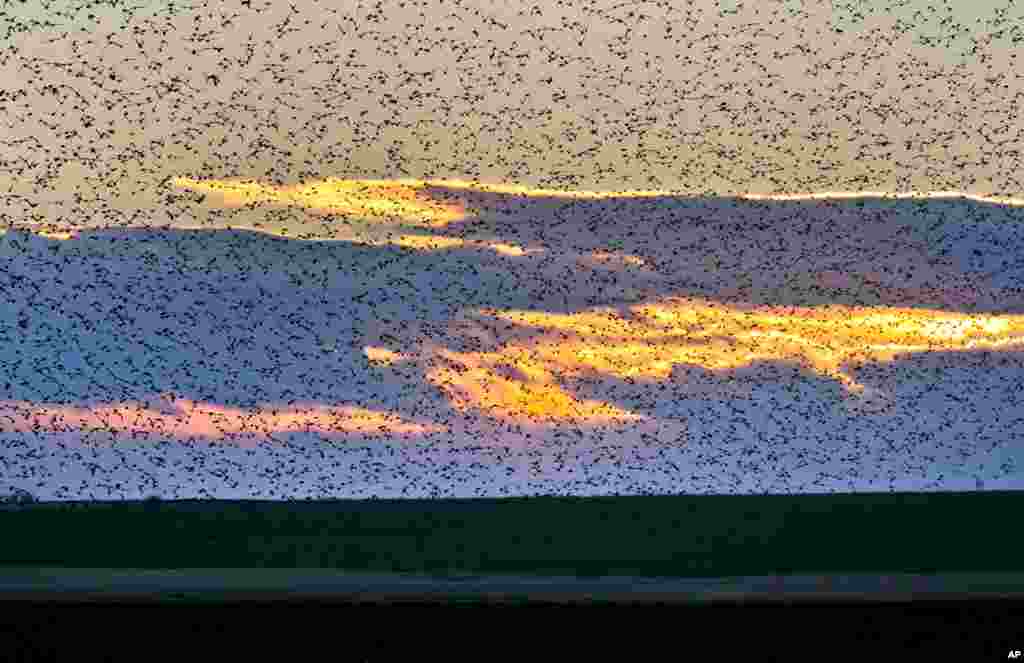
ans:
x=97 y=126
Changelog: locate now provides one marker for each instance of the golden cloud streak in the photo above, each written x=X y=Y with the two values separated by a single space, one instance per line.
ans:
x=409 y=201
x=480 y=381
x=402 y=199
x=406 y=198
x=184 y=418
x=436 y=243
x=521 y=381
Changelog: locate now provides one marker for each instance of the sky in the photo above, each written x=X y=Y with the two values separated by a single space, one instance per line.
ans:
x=756 y=97
x=558 y=237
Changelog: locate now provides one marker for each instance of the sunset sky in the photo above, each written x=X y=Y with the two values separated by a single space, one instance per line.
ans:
x=610 y=218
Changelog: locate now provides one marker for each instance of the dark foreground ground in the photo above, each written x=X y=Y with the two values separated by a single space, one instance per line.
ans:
x=690 y=548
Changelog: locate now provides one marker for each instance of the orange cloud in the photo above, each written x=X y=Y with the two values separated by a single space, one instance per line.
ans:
x=523 y=379
x=401 y=199
x=184 y=418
